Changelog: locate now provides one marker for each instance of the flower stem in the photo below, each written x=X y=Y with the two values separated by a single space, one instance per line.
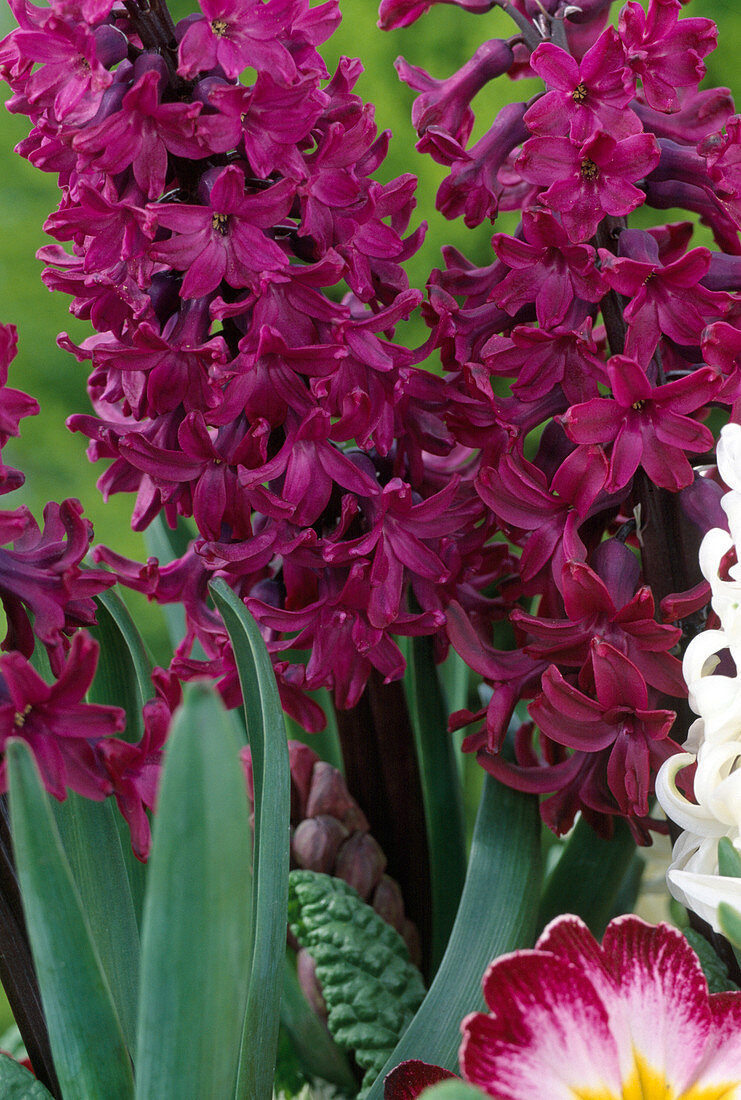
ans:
x=382 y=773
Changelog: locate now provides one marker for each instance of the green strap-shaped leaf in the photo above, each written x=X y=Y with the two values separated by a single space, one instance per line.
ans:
x=266 y=731
x=93 y=845
x=123 y=676
x=123 y=679
x=588 y=876
x=16 y=1083
x=196 y=927
x=87 y=1042
x=370 y=987
x=497 y=913
x=441 y=790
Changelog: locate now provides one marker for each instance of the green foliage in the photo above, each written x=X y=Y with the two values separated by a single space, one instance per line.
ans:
x=370 y=987
x=453 y=1090
x=97 y=853
x=16 y=1083
x=497 y=914
x=289 y=1075
x=441 y=790
x=729 y=860
x=196 y=927
x=588 y=876
x=730 y=924
x=713 y=967
x=314 y=1046
x=90 y=1054
x=264 y=723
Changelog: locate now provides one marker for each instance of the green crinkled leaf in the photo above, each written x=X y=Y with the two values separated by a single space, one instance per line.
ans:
x=16 y=1083
x=713 y=967
x=370 y=987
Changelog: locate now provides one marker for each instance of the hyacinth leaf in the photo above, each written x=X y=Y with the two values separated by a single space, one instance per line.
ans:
x=196 y=926
x=729 y=860
x=317 y=1051
x=87 y=1041
x=16 y=1083
x=123 y=679
x=370 y=987
x=588 y=876
x=730 y=924
x=630 y=887
x=93 y=846
x=166 y=545
x=497 y=914
x=454 y=1090
x=123 y=676
x=441 y=790
x=272 y=779
x=713 y=967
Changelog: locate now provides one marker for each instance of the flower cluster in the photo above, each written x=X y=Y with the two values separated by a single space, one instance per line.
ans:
x=581 y=364
x=47 y=597
x=711 y=669
x=632 y=1017
x=242 y=270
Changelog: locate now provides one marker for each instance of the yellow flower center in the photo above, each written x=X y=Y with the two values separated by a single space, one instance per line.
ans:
x=579 y=93
x=220 y=223
x=20 y=716
x=646 y=1083
x=589 y=170
x=219 y=27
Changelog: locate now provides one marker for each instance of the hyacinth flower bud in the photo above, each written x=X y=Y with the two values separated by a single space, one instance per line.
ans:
x=316 y=842
x=388 y=902
x=360 y=862
x=445 y=104
x=700 y=503
x=586 y=10
x=329 y=795
x=306 y=973
x=301 y=761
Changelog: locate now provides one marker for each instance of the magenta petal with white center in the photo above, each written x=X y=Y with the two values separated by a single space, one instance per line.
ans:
x=632 y=1019
x=547 y=1035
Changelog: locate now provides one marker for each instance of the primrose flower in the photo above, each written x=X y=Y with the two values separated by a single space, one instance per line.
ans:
x=572 y=1019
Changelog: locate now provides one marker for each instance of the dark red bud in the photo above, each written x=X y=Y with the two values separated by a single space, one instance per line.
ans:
x=388 y=902
x=360 y=862
x=316 y=841
x=302 y=761
x=306 y=971
x=329 y=793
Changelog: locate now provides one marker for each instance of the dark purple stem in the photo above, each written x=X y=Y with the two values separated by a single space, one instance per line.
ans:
x=383 y=775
